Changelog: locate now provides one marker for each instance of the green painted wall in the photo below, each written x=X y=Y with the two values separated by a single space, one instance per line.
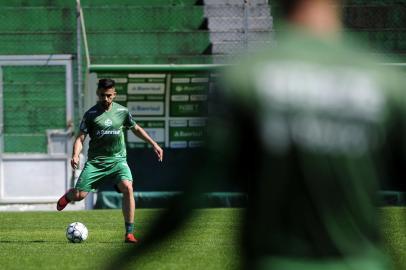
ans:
x=72 y=3
x=148 y=18
x=124 y=31
x=119 y=32
x=34 y=100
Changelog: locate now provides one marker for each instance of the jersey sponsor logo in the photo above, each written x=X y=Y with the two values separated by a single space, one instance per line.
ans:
x=108 y=122
x=344 y=91
x=93 y=111
x=121 y=109
x=101 y=133
x=328 y=110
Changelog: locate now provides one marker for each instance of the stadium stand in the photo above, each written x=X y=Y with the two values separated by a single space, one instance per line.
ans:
x=381 y=23
x=144 y=32
x=124 y=32
x=234 y=28
x=173 y=31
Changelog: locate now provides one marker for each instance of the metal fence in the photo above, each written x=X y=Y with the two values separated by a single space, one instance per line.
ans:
x=34 y=101
x=174 y=32
x=238 y=27
x=381 y=24
x=178 y=34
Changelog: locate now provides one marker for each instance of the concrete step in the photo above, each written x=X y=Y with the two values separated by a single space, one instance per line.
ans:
x=222 y=59
x=238 y=47
x=236 y=23
x=216 y=37
x=234 y=2
x=236 y=11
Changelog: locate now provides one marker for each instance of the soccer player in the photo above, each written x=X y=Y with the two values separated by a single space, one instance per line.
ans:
x=309 y=129
x=105 y=124
x=323 y=127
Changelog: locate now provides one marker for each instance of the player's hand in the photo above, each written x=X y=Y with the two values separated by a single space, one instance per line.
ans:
x=74 y=162
x=159 y=152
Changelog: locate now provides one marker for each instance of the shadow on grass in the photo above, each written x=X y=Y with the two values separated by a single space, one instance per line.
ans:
x=114 y=242
x=24 y=241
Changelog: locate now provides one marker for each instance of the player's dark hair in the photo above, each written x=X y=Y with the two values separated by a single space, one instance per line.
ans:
x=286 y=7
x=105 y=84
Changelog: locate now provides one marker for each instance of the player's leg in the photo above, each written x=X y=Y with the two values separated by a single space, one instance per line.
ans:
x=77 y=195
x=87 y=179
x=64 y=200
x=71 y=195
x=124 y=184
x=126 y=187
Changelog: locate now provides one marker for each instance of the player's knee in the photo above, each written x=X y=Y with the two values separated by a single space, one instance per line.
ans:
x=126 y=187
x=79 y=195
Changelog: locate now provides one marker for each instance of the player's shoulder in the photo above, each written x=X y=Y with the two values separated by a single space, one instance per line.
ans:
x=92 y=111
x=119 y=108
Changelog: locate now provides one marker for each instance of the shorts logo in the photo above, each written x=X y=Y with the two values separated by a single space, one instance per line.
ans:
x=108 y=122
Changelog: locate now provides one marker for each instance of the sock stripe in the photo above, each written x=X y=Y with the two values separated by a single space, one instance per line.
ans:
x=129 y=227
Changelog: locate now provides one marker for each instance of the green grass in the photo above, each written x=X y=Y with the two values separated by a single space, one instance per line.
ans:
x=394 y=229
x=36 y=240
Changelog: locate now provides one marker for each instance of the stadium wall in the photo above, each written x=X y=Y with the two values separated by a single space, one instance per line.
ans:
x=156 y=32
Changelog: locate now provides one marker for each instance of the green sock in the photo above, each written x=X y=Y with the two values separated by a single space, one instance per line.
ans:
x=129 y=228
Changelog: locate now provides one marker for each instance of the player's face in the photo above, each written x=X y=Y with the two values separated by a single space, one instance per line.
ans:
x=106 y=96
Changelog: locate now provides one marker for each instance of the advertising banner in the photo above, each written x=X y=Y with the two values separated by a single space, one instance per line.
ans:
x=171 y=106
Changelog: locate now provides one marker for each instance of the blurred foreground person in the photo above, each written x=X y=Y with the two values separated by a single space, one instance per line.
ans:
x=308 y=129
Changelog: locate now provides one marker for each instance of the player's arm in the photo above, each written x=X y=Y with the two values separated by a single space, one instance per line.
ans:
x=77 y=148
x=141 y=133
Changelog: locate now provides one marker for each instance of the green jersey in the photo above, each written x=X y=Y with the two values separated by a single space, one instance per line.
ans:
x=106 y=131
x=314 y=127
x=307 y=129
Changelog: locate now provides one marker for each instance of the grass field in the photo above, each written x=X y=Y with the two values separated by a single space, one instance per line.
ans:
x=36 y=240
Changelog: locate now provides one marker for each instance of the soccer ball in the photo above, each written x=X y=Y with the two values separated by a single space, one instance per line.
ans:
x=76 y=232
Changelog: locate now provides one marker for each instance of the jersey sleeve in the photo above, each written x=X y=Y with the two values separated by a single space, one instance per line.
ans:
x=83 y=125
x=129 y=121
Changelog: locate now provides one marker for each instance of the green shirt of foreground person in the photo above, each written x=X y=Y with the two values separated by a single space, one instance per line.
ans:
x=308 y=129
